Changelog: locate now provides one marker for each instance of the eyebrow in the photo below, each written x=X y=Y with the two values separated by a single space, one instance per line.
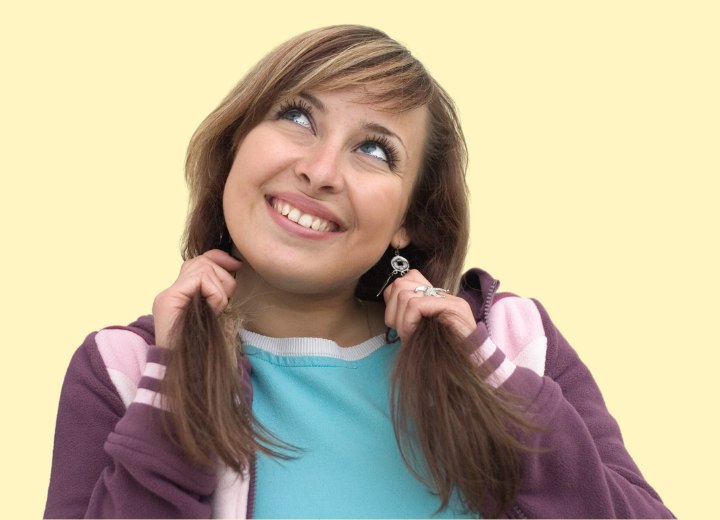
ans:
x=372 y=127
x=380 y=129
x=314 y=101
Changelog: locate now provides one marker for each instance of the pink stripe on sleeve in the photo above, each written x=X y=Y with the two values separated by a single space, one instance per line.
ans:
x=154 y=399
x=124 y=351
x=514 y=323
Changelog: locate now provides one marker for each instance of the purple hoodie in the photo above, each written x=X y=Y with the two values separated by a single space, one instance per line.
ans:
x=112 y=460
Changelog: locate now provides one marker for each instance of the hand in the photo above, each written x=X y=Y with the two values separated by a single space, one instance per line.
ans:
x=404 y=308
x=211 y=273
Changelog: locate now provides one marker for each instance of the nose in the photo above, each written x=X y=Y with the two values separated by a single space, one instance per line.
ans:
x=319 y=167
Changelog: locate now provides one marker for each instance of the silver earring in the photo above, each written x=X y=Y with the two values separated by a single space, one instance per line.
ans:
x=400 y=267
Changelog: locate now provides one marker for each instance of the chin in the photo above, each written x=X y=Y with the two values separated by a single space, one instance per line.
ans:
x=305 y=282
x=300 y=272
x=309 y=284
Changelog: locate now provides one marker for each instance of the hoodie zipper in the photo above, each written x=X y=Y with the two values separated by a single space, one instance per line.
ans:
x=488 y=301
x=251 y=489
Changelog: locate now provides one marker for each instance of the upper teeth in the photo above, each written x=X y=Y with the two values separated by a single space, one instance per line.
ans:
x=304 y=219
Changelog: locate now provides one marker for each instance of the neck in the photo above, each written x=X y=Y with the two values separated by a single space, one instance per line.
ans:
x=336 y=315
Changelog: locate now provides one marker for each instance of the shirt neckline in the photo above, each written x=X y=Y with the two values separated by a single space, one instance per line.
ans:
x=311 y=347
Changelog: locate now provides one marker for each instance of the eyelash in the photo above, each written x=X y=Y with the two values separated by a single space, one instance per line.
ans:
x=296 y=104
x=390 y=150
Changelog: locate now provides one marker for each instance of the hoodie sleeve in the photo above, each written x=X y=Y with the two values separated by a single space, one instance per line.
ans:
x=581 y=468
x=111 y=458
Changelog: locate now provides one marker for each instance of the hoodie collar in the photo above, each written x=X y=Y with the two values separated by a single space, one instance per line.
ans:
x=478 y=288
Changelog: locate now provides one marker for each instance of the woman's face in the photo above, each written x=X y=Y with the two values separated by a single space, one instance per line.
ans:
x=318 y=189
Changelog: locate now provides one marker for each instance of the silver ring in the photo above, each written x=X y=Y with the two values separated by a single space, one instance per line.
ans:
x=431 y=291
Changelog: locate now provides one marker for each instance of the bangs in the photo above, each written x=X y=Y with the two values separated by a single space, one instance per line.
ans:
x=385 y=70
x=397 y=85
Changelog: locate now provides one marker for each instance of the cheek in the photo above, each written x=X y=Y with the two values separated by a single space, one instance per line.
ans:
x=397 y=197
x=249 y=168
x=384 y=207
x=233 y=189
x=240 y=186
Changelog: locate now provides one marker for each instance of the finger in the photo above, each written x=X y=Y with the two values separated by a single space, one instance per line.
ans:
x=212 y=290
x=452 y=311
x=226 y=279
x=223 y=259
x=406 y=306
x=406 y=316
x=179 y=294
x=169 y=304
x=213 y=257
x=204 y=264
x=411 y=280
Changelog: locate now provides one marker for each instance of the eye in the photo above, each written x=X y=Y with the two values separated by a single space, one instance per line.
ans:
x=374 y=149
x=297 y=112
x=379 y=148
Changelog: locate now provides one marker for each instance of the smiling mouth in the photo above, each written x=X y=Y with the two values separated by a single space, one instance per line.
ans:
x=305 y=220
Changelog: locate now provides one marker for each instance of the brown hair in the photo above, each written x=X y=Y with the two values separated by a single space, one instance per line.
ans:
x=461 y=436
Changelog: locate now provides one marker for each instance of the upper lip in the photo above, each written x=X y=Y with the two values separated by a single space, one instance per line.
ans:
x=309 y=206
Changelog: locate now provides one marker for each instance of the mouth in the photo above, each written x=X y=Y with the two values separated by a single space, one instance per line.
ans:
x=304 y=219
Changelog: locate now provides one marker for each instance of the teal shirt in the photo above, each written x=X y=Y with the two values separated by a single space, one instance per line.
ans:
x=332 y=402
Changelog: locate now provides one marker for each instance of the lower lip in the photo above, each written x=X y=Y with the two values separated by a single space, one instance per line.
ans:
x=297 y=229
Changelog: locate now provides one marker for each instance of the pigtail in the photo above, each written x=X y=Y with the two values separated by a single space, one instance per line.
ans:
x=454 y=431
x=210 y=412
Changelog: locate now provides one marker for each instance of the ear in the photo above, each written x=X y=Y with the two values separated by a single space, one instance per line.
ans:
x=400 y=239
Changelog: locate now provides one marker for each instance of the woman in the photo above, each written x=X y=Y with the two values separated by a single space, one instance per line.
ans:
x=328 y=228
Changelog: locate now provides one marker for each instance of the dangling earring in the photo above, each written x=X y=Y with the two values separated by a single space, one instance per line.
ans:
x=400 y=267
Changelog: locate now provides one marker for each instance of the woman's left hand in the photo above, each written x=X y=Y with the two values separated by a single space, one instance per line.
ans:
x=405 y=307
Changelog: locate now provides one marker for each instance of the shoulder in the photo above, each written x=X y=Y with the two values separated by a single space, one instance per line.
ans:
x=117 y=356
x=517 y=325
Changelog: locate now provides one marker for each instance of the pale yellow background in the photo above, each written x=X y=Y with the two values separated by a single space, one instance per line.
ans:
x=593 y=130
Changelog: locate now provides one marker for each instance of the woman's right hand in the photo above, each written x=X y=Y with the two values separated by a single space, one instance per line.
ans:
x=212 y=274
